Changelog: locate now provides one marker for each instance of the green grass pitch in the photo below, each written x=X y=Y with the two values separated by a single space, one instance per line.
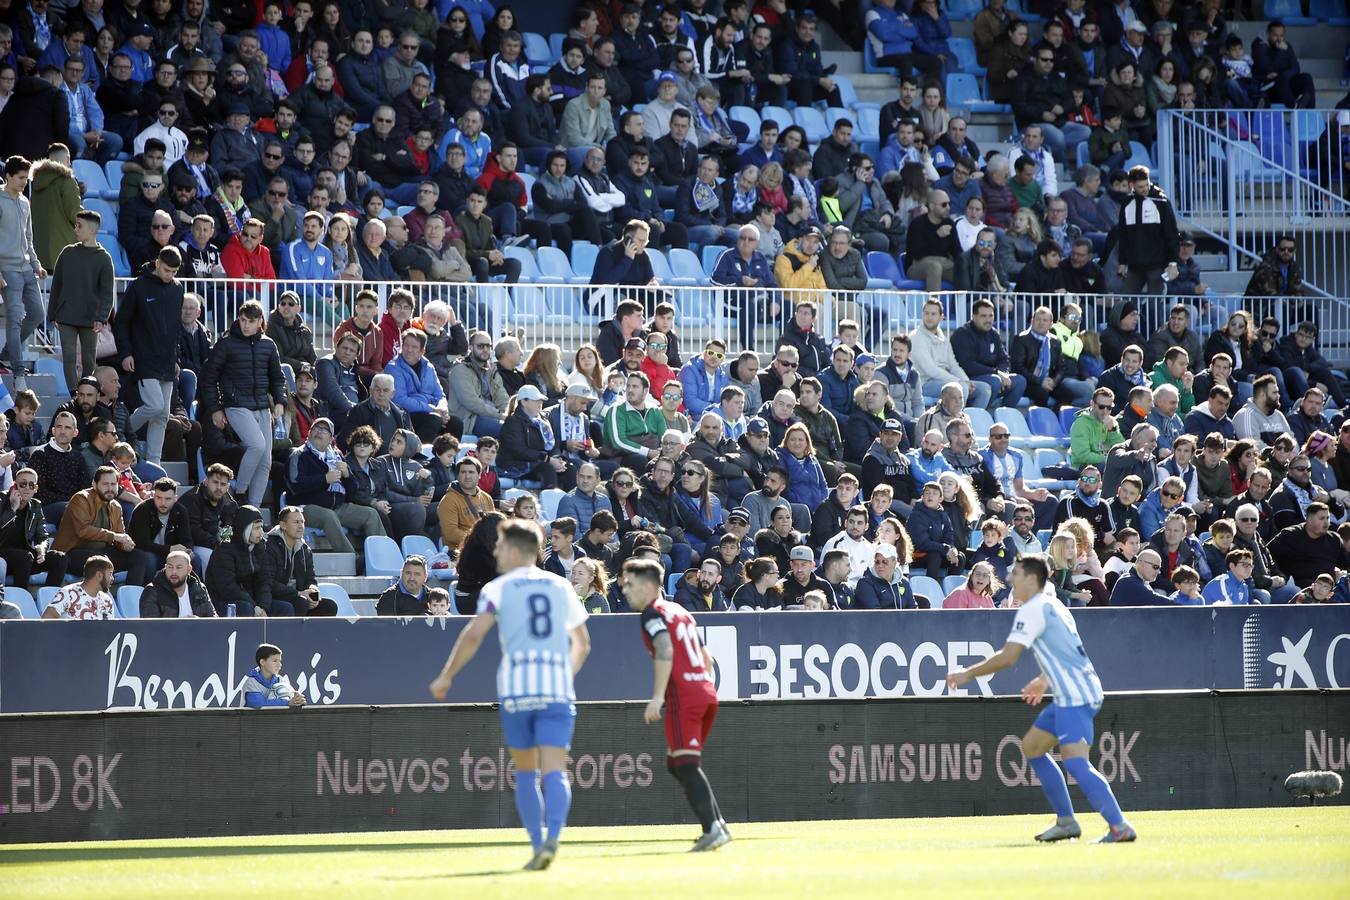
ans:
x=1264 y=853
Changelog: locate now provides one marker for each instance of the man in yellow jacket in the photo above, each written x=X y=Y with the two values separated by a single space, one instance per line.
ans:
x=798 y=267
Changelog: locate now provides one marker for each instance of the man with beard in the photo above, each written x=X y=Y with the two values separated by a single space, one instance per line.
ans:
x=1259 y=486
x=1307 y=549
x=159 y=525
x=1289 y=502
x=699 y=590
x=1085 y=503
x=961 y=456
x=801 y=578
x=1260 y=420
x=83 y=406
x=1211 y=416
x=853 y=541
x=24 y=541
x=884 y=463
x=87 y=599
x=176 y=592
x=92 y=525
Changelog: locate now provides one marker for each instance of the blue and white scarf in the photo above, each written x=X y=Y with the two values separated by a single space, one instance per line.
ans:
x=330 y=458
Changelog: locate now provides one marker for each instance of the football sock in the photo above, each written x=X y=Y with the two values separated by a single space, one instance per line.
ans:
x=557 y=801
x=530 y=805
x=698 y=792
x=1096 y=788
x=1053 y=784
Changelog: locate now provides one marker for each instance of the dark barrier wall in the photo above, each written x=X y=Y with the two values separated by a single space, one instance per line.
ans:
x=128 y=775
x=149 y=664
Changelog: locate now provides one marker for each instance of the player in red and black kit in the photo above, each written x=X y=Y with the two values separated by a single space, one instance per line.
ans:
x=683 y=681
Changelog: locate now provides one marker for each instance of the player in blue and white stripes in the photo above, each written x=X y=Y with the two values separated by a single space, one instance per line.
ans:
x=544 y=641
x=1047 y=627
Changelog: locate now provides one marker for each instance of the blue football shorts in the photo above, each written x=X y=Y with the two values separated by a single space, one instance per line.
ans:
x=1069 y=724
x=548 y=726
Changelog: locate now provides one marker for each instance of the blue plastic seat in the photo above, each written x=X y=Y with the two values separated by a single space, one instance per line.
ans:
x=672 y=581
x=45 y=596
x=711 y=254
x=1330 y=11
x=1288 y=11
x=95 y=182
x=961 y=10
x=1020 y=434
x=536 y=48
x=660 y=265
x=870 y=65
x=847 y=92
x=867 y=126
x=129 y=601
x=963 y=90
x=24 y=601
x=749 y=117
x=812 y=122
x=549 y=499
x=51 y=365
x=554 y=265
x=778 y=114
x=555 y=44
x=964 y=51
x=980 y=422
x=383 y=557
x=883 y=265
x=121 y=267
x=338 y=594
x=107 y=213
x=1249 y=165
x=529 y=186
x=923 y=586
x=685 y=265
x=113 y=168
x=583 y=258
x=953 y=582
x=1044 y=421
x=1066 y=417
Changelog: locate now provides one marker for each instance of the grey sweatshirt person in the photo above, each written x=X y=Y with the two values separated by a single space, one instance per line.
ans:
x=18 y=253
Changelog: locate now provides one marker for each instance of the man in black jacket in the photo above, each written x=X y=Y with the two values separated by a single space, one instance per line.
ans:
x=1037 y=358
x=379 y=411
x=980 y=351
x=1042 y=275
x=24 y=541
x=290 y=567
x=210 y=513
x=643 y=196
x=148 y=322
x=524 y=453
x=932 y=246
x=410 y=596
x=531 y=125
x=812 y=353
x=176 y=593
x=675 y=157
x=1147 y=235
x=160 y=524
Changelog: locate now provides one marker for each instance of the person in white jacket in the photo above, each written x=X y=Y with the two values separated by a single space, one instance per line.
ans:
x=600 y=193
x=853 y=541
x=932 y=356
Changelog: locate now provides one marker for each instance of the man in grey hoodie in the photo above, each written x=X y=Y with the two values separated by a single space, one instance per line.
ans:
x=83 y=290
x=20 y=269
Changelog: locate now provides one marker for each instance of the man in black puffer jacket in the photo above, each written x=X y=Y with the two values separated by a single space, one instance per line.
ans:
x=242 y=387
x=147 y=326
x=160 y=599
x=290 y=566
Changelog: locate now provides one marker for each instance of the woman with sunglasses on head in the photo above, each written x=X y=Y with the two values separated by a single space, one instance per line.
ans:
x=704 y=510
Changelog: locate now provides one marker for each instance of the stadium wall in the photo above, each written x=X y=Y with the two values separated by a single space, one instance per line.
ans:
x=240 y=772
x=152 y=664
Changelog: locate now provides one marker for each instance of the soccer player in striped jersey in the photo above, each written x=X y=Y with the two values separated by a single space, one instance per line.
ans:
x=1047 y=627
x=544 y=642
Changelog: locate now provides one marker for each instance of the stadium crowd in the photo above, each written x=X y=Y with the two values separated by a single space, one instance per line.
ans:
x=273 y=141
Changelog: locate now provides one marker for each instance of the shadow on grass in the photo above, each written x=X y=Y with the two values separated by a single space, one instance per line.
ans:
x=59 y=854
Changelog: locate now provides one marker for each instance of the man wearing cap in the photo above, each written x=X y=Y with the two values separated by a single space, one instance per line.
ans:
x=885 y=463
x=801 y=577
x=193 y=169
x=529 y=447
x=879 y=588
x=797 y=268
x=315 y=476
x=634 y=352
x=1134 y=588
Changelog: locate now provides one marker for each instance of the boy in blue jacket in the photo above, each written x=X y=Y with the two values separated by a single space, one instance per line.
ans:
x=1233 y=588
x=264 y=686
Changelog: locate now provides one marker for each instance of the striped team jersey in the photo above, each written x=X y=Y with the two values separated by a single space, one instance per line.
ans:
x=534 y=610
x=1046 y=626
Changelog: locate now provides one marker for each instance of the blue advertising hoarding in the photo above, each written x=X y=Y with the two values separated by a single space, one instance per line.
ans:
x=146 y=664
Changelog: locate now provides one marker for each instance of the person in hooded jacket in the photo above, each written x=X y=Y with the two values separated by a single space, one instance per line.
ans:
x=406 y=485
x=146 y=327
x=657 y=507
x=237 y=573
x=161 y=600
x=700 y=590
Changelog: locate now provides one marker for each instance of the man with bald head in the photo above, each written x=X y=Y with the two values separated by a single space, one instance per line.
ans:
x=932 y=245
x=1134 y=587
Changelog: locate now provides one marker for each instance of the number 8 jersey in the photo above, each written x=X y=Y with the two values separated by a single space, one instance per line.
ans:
x=535 y=611
x=689 y=677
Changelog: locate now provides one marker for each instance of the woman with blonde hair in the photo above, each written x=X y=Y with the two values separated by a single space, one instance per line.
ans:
x=978 y=591
x=961 y=505
x=587 y=369
x=892 y=531
x=1063 y=553
x=1017 y=245
x=543 y=370
x=806 y=479
x=591 y=582
x=771 y=187
x=1088 y=573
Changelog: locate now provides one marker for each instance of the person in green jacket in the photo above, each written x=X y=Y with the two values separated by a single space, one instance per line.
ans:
x=1094 y=431
x=1174 y=369
x=634 y=427
x=56 y=200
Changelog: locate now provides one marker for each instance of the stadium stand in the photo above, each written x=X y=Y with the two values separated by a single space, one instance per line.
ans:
x=412 y=219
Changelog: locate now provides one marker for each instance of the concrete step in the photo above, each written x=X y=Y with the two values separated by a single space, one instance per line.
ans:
x=42 y=385
x=326 y=564
x=360 y=586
